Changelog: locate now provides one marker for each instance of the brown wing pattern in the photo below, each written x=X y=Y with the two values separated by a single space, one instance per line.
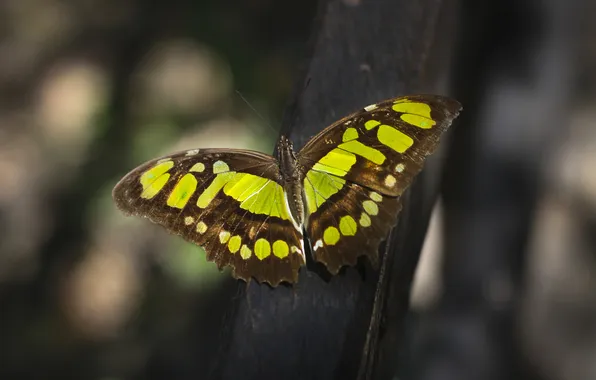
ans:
x=368 y=170
x=216 y=199
x=352 y=222
x=360 y=165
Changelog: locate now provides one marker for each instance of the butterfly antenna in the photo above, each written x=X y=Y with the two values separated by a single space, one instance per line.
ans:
x=256 y=112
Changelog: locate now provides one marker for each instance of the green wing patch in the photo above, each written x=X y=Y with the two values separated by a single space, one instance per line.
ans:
x=351 y=223
x=355 y=170
x=230 y=202
x=383 y=146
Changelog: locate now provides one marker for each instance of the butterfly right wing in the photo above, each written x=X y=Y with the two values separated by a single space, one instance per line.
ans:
x=356 y=169
x=230 y=202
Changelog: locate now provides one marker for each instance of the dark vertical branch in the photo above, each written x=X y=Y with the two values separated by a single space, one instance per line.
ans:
x=363 y=52
x=518 y=56
x=407 y=240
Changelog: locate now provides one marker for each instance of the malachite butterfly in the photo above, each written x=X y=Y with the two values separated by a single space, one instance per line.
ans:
x=252 y=211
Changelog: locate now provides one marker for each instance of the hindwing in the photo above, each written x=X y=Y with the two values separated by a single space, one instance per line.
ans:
x=352 y=222
x=356 y=169
x=230 y=202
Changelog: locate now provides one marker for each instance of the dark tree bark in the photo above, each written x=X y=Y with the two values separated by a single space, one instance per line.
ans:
x=362 y=52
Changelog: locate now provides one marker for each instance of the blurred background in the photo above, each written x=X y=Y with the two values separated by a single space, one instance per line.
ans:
x=90 y=89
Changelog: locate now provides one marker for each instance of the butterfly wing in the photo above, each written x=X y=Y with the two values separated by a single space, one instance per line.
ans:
x=230 y=202
x=356 y=169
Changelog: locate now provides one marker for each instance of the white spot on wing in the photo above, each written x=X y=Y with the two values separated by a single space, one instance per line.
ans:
x=192 y=152
x=224 y=236
x=370 y=107
x=220 y=167
x=390 y=180
x=318 y=244
x=189 y=220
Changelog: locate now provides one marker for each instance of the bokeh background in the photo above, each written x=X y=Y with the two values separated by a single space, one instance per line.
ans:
x=90 y=89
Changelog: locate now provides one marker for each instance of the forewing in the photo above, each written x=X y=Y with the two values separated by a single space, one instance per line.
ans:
x=383 y=146
x=230 y=202
x=356 y=169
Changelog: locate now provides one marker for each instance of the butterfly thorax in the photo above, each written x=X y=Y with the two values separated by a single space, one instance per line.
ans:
x=291 y=177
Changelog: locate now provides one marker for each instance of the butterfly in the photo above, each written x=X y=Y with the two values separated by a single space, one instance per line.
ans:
x=252 y=211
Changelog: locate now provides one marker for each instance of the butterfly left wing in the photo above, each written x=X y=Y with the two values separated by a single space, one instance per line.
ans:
x=356 y=169
x=230 y=202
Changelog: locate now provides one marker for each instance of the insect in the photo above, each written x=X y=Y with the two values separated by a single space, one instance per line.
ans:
x=251 y=211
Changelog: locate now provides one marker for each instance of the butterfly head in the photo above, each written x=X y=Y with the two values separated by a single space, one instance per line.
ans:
x=285 y=144
x=286 y=155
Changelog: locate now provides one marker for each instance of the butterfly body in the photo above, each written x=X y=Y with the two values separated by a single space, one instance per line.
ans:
x=252 y=211
x=292 y=176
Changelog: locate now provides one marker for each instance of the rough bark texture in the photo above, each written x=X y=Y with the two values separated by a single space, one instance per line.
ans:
x=362 y=52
